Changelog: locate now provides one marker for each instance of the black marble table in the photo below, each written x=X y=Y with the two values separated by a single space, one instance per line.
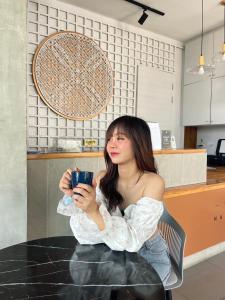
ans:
x=61 y=268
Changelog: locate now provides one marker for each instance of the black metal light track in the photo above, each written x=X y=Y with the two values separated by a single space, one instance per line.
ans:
x=145 y=7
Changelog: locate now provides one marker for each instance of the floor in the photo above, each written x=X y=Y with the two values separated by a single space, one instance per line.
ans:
x=204 y=281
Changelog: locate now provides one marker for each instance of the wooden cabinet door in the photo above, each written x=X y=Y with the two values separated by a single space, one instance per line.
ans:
x=196 y=103
x=218 y=101
x=219 y=217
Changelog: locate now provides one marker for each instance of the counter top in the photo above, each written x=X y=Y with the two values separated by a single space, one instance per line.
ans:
x=58 y=155
x=215 y=180
x=215 y=176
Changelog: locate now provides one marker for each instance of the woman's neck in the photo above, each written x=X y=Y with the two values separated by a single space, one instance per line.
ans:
x=128 y=173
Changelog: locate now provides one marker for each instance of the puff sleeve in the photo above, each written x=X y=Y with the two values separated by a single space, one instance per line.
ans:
x=137 y=226
x=120 y=233
x=84 y=229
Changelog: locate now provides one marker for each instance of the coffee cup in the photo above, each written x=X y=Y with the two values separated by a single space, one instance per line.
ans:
x=77 y=177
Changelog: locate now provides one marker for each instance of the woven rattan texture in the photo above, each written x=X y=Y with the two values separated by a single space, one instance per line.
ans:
x=72 y=75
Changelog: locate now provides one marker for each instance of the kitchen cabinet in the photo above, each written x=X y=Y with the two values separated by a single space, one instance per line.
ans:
x=218 y=101
x=204 y=102
x=196 y=103
x=202 y=216
x=203 y=96
x=192 y=53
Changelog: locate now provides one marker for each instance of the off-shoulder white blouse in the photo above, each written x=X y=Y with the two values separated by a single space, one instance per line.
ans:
x=128 y=232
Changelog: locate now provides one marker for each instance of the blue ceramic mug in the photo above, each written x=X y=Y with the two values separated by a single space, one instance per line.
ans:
x=85 y=177
x=78 y=177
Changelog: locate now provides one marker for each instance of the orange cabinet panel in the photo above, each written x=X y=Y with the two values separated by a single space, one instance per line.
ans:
x=202 y=216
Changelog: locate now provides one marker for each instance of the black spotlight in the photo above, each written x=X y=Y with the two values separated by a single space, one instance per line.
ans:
x=143 y=17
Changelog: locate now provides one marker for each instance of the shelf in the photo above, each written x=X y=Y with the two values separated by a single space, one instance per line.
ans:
x=58 y=155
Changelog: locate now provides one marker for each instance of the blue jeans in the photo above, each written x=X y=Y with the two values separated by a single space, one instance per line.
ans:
x=156 y=252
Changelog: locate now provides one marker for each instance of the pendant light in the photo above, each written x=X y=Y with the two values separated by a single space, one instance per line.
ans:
x=201 y=68
x=223 y=49
x=220 y=56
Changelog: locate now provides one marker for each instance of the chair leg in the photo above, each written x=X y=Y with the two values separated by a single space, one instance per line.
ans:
x=169 y=295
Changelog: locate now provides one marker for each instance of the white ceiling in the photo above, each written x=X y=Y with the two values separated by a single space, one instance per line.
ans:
x=182 y=20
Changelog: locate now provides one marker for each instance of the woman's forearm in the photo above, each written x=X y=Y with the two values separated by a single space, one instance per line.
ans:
x=97 y=218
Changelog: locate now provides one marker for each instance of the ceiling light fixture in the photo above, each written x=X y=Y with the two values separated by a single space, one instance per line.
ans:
x=223 y=51
x=201 y=68
x=220 y=56
x=144 y=15
x=201 y=58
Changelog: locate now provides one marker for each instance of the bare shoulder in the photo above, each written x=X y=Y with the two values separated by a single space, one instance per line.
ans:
x=99 y=176
x=154 y=186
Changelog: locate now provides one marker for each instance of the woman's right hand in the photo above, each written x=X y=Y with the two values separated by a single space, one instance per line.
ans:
x=65 y=183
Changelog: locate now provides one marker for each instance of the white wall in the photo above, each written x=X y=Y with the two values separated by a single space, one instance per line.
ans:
x=178 y=128
x=13 y=163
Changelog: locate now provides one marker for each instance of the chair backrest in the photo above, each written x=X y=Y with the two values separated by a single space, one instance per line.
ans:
x=175 y=237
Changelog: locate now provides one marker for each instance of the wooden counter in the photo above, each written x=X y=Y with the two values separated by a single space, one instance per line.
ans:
x=177 y=166
x=58 y=155
x=215 y=181
x=199 y=208
x=215 y=176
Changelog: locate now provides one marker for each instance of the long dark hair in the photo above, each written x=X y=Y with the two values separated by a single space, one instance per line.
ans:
x=137 y=130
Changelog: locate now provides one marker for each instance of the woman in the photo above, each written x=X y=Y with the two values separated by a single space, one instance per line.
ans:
x=123 y=207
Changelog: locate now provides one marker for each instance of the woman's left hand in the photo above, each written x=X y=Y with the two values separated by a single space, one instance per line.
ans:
x=87 y=200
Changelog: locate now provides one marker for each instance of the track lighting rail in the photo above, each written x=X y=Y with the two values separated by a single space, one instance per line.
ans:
x=145 y=7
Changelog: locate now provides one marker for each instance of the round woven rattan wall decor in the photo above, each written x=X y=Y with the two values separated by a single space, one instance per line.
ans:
x=72 y=75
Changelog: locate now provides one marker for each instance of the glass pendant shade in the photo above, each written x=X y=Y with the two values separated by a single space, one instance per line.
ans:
x=223 y=53
x=201 y=68
x=220 y=56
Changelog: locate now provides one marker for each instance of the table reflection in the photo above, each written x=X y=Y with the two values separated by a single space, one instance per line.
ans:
x=61 y=268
